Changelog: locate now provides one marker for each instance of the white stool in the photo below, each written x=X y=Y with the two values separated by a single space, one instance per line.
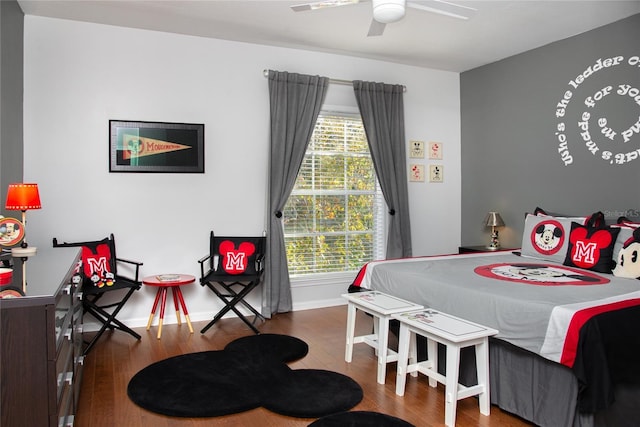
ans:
x=381 y=306
x=454 y=333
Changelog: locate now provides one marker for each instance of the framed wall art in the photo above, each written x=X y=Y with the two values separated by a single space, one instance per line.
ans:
x=416 y=149
x=435 y=150
x=156 y=147
x=436 y=173
x=416 y=173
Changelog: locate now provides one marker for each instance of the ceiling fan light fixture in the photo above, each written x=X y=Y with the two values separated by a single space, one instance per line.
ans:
x=388 y=11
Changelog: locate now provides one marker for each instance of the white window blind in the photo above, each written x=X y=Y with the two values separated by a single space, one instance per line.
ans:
x=334 y=220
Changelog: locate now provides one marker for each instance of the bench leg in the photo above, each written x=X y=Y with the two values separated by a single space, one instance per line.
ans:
x=482 y=367
x=383 y=345
x=403 y=356
x=432 y=357
x=413 y=353
x=451 y=386
x=351 y=327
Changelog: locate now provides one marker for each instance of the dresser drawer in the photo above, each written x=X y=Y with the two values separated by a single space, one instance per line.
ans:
x=64 y=369
x=65 y=408
x=63 y=316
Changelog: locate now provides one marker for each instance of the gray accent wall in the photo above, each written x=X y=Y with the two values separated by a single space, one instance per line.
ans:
x=11 y=91
x=556 y=127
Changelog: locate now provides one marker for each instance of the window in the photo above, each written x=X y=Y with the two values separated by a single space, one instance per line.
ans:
x=334 y=220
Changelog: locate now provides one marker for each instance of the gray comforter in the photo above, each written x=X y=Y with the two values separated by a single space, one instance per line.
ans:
x=519 y=308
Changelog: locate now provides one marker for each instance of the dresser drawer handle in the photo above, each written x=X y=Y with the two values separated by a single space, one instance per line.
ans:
x=65 y=377
x=66 y=423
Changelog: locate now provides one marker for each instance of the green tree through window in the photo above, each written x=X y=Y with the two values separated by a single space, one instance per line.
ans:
x=334 y=218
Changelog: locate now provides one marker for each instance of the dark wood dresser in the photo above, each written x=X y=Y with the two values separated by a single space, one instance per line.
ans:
x=41 y=342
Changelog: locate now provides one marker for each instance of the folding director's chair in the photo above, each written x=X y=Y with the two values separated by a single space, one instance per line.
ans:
x=100 y=277
x=232 y=270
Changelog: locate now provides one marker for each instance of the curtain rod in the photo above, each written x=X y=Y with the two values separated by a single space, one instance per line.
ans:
x=334 y=81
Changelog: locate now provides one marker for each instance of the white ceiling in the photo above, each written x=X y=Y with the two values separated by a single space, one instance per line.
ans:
x=497 y=30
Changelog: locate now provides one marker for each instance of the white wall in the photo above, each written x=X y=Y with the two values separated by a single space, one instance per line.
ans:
x=78 y=76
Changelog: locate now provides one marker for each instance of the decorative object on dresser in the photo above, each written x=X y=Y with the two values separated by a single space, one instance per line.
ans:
x=99 y=271
x=23 y=197
x=494 y=220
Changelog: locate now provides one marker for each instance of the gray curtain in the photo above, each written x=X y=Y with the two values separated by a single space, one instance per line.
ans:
x=382 y=110
x=295 y=101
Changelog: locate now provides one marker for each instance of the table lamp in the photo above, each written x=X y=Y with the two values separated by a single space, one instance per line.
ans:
x=22 y=197
x=494 y=220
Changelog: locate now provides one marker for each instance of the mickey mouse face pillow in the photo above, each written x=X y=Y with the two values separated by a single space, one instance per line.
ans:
x=547 y=237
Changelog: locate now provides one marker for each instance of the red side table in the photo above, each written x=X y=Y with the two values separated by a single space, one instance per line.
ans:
x=163 y=282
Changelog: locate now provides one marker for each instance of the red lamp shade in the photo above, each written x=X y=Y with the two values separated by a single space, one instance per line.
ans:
x=22 y=197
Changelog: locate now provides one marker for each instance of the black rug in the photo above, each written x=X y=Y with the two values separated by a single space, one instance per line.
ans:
x=250 y=372
x=360 y=419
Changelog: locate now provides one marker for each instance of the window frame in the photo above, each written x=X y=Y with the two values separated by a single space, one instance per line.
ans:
x=318 y=278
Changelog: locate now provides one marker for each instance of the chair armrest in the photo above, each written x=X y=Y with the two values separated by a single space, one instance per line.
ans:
x=202 y=261
x=260 y=263
x=136 y=263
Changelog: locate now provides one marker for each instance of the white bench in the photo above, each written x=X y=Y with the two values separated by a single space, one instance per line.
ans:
x=381 y=306
x=454 y=333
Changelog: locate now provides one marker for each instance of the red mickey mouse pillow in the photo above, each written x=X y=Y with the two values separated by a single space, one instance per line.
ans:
x=591 y=247
x=237 y=260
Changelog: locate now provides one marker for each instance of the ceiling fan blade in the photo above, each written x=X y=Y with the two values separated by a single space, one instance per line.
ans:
x=376 y=28
x=444 y=8
x=322 y=4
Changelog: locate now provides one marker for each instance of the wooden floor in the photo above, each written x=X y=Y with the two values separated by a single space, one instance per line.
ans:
x=118 y=356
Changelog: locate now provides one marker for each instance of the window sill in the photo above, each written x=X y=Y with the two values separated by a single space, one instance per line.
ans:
x=323 y=279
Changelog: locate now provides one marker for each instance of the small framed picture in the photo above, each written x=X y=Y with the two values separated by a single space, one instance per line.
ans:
x=416 y=149
x=435 y=150
x=416 y=173
x=436 y=173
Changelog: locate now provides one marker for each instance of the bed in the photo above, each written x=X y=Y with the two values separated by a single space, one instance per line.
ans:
x=566 y=352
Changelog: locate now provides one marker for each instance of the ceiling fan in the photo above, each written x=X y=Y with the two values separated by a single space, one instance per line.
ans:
x=389 y=11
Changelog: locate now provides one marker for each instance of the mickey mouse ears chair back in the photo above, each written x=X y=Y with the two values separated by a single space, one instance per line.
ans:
x=99 y=276
x=232 y=270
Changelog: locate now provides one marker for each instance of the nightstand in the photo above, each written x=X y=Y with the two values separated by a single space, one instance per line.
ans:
x=480 y=248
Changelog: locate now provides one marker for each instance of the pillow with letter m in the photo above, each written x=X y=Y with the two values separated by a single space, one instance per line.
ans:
x=97 y=264
x=236 y=257
x=591 y=248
